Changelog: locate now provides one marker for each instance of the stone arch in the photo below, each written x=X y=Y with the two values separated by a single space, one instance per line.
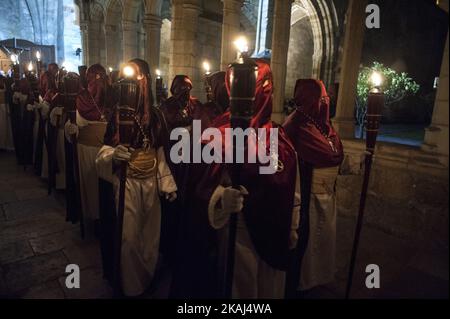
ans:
x=134 y=37
x=97 y=42
x=114 y=33
x=316 y=22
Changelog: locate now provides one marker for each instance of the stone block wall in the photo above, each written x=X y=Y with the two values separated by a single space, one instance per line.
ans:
x=407 y=196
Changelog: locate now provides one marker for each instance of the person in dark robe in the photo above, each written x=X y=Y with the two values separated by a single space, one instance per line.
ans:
x=209 y=111
x=23 y=101
x=6 y=140
x=180 y=107
x=148 y=178
x=92 y=114
x=178 y=112
x=268 y=208
x=320 y=153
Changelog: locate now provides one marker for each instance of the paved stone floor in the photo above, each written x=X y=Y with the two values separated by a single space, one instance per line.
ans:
x=36 y=244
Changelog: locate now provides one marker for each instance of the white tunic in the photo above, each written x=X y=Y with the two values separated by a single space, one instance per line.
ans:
x=319 y=262
x=142 y=220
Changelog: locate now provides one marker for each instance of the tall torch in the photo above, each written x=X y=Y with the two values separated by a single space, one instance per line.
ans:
x=16 y=69
x=38 y=64
x=243 y=74
x=159 y=89
x=72 y=87
x=208 y=89
x=374 y=109
x=128 y=96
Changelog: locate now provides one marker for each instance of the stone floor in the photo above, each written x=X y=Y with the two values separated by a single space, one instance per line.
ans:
x=36 y=245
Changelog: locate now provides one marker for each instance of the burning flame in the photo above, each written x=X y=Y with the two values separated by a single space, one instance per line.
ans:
x=128 y=71
x=30 y=67
x=158 y=73
x=38 y=55
x=14 y=58
x=241 y=44
x=110 y=69
x=207 y=67
x=376 y=79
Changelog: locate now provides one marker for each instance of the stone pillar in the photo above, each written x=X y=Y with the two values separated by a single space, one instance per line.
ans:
x=230 y=30
x=351 y=57
x=95 y=43
x=84 y=29
x=280 y=46
x=152 y=24
x=436 y=135
x=113 y=46
x=184 y=51
x=130 y=44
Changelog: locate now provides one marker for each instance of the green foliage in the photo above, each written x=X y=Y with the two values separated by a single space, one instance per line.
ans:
x=396 y=86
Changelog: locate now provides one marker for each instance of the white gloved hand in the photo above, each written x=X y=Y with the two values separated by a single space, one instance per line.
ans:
x=57 y=111
x=233 y=199
x=70 y=130
x=122 y=154
x=171 y=196
x=16 y=97
x=45 y=107
x=30 y=107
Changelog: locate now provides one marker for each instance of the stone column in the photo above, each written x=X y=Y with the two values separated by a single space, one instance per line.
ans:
x=436 y=135
x=280 y=46
x=84 y=29
x=184 y=50
x=230 y=30
x=152 y=24
x=129 y=40
x=94 y=42
x=351 y=57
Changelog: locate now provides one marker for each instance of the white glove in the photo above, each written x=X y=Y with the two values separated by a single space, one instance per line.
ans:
x=57 y=111
x=30 y=107
x=122 y=154
x=171 y=196
x=233 y=199
x=45 y=107
x=70 y=130
x=16 y=97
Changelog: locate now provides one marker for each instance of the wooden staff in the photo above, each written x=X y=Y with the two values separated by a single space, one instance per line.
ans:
x=128 y=92
x=71 y=88
x=242 y=95
x=374 y=109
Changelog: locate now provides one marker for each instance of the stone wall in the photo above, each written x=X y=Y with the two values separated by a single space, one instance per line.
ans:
x=300 y=54
x=407 y=197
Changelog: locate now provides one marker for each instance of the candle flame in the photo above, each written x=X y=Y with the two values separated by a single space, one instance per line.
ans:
x=30 y=67
x=207 y=67
x=376 y=79
x=128 y=71
x=241 y=44
x=110 y=69
x=158 y=72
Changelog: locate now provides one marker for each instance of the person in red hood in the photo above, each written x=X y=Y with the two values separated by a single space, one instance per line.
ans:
x=23 y=100
x=91 y=119
x=320 y=153
x=180 y=107
x=209 y=111
x=267 y=208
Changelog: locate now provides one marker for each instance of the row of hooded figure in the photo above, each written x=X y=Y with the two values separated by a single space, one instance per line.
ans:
x=176 y=215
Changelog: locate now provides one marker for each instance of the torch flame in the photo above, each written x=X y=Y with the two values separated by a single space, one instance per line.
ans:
x=38 y=55
x=158 y=73
x=110 y=69
x=241 y=44
x=376 y=79
x=128 y=71
x=207 y=67
x=30 y=67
